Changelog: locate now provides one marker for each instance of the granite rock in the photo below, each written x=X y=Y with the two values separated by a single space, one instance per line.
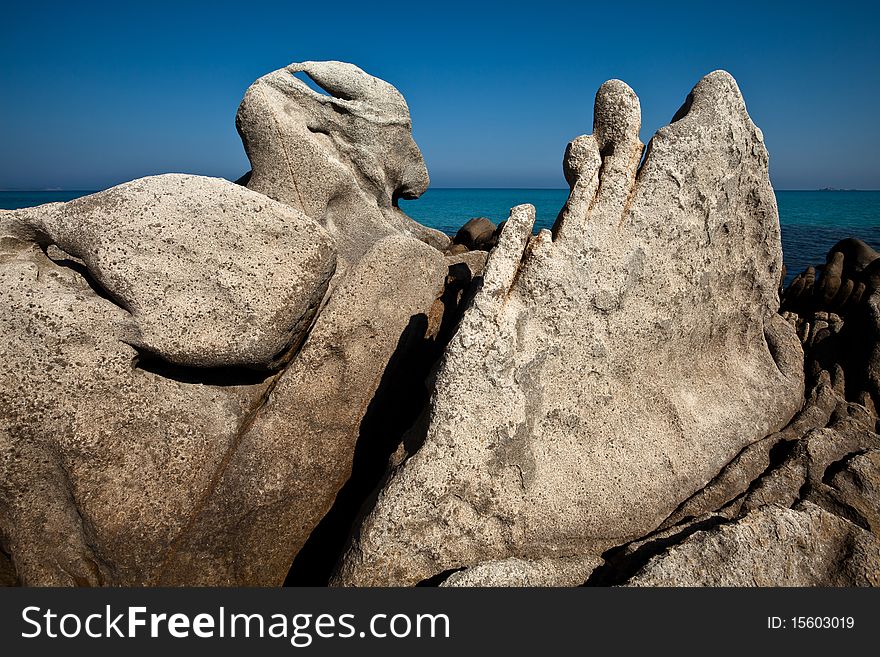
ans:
x=211 y=274
x=771 y=546
x=296 y=453
x=607 y=370
x=478 y=233
x=521 y=572
x=117 y=471
x=343 y=158
x=100 y=459
x=854 y=486
x=848 y=277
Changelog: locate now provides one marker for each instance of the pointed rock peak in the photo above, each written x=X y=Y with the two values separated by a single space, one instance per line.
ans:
x=714 y=94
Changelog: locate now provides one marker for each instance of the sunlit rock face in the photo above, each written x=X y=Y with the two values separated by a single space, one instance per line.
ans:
x=343 y=158
x=607 y=370
x=172 y=411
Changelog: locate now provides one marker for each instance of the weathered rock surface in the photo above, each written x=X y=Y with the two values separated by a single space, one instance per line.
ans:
x=100 y=460
x=846 y=347
x=113 y=473
x=833 y=467
x=187 y=398
x=801 y=474
x=212 y=274
x=296 y=454
x=826 y=456
x=521 y=572
x=343 y=158
x=605 y=372
x=855 y=488
x=771 y=546
x=745 y=468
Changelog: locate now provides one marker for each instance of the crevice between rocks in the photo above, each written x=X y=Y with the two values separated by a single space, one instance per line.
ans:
x=68 y=262
x=400 y=395
x=388 y=431
x=439 y=578
x=204 y=498
x=620 y=565
x=210 y=376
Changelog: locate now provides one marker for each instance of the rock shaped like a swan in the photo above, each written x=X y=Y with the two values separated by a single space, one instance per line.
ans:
x=607 y=370
x=343 y=158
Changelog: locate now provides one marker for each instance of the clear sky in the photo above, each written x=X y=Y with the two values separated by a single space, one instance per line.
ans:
x=97 y=93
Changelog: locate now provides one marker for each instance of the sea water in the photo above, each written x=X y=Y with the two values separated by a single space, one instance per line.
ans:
x=812 y=221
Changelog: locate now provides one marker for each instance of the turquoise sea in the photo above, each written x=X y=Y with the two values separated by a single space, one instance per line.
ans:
x=812 y=221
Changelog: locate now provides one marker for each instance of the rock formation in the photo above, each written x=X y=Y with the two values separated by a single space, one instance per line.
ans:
x=295 y=453
x=772 y=546
x=606 y=371
x=203 y=383
x=850 y=274
x=343 y=158
x=124 y=464
x=212 y=275
x=798 y=507
x=477 y=234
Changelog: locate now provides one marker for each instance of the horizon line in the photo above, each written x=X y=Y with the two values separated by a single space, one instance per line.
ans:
x=65 y=190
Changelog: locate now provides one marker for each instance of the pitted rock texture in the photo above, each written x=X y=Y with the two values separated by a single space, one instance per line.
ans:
x=211 y=274
x=344 y=158
x=771 y=546
x=826 y=456
x=296 y=454
x=113 y=474
x=606 y=371
x=521 y=572
x=100 y=461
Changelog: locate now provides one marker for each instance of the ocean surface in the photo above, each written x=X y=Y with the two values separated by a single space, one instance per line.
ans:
x=812 y=221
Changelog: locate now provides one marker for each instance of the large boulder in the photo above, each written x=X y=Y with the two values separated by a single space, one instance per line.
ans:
x=211 y=274
x=606 y=371
x=101 y=460
x=344 y=158
x=120 y=462
x=478 y=233
x=296 y=453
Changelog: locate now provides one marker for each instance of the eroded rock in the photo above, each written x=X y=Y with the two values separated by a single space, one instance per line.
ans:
x=848 y=277
x=100 y=460
x=117 y=474
x=854 y=488
x=477 y=234
x=771 y=546
x=211 y=274
x=296 y=453
x=521 y=572
x=608 y=370
x=746 y=467
x=343 y=158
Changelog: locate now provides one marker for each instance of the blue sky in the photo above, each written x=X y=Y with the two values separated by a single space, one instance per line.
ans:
x=97 y=93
